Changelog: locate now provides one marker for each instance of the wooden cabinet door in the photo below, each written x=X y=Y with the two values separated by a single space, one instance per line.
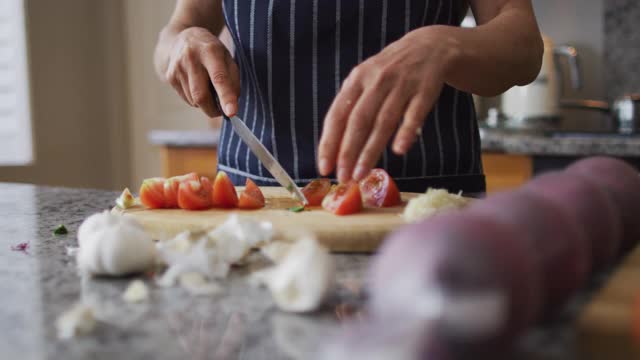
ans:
x=506 y=171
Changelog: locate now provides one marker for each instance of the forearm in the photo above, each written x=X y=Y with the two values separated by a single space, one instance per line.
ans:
x=489 y=59
x=188 y=13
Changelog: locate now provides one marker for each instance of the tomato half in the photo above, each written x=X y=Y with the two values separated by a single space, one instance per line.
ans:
x=152 y=193
x=171 y=186
x=379 y=189
x=224 y=194
x=316 y=190
x=195 y=194
x=343 y=199
x=251 y=198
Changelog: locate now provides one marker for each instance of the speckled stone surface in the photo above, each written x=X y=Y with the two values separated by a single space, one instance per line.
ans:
x=560 y=145
x=185 y=138
x=622 y=47
x=239 y=323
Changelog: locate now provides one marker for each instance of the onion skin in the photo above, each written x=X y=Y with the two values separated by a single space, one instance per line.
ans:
x=590 y=206
x=622 y=182
x=553 y=236
x=462 y=253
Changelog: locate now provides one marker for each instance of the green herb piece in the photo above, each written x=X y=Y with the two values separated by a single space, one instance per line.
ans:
x=60 y=230
x=297 y=208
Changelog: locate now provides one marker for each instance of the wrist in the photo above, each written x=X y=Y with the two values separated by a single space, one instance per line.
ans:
x=443 y=44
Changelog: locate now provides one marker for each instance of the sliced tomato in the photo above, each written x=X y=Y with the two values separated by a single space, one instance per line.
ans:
x=316 y=190
x=251 y=198
x=224 y=193
x=343 y=199
x=379 y=189
x=152 y=193
x=171 y=186
x=195 y=194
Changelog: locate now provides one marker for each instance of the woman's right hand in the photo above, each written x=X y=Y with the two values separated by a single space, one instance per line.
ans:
x=198 y=57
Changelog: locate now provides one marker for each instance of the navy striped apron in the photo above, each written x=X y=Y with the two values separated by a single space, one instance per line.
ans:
x=293 y=56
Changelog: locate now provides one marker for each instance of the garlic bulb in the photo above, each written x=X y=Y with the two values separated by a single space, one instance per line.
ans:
x=112 y=244
x=301 y=281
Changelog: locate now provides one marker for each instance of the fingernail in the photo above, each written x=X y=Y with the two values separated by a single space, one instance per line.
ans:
x=400 y=146
x=229 y=109
x=359 y=173
x=323 y=166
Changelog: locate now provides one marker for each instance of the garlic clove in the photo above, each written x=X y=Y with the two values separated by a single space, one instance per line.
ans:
x=78 y=320
x=302 y=280
x=136 y=292
x=196 y=284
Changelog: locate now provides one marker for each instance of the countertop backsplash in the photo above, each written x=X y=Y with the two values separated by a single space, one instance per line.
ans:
x=622 y=47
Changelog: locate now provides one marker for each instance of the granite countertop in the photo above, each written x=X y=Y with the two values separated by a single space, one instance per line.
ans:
x=559 y=144
x=242 y=322
x=185 y=138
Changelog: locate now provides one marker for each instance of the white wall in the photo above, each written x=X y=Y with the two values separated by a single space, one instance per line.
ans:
x=581 y=24
x=76 y=73
x=152 y=104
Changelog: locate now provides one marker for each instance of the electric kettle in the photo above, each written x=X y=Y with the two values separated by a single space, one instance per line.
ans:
x=539 y=102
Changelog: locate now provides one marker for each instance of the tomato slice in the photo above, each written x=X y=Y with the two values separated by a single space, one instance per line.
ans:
x=251 y=198
x=224 y=193
x=195 y=194
x=316 y=190
x=343 y=199
x=379 y=189
x=152 y=193
x=171 y=186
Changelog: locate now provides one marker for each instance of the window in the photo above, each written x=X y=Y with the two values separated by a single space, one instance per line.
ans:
x=16 y=146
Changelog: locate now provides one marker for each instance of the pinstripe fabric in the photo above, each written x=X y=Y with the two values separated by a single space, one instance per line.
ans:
x=293 y=56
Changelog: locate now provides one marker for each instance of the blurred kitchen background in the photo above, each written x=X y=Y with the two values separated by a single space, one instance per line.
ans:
x=79 y=99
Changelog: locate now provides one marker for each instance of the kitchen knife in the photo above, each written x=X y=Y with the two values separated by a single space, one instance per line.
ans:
x=263 y=155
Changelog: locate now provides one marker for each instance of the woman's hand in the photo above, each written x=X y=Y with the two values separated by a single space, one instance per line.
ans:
x=196 y=58
x=402 y=82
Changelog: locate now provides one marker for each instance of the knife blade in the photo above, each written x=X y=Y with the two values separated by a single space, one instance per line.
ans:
x=261 y=152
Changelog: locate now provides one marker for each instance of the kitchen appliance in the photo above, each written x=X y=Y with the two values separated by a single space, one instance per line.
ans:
x=361 y=232
x=537 y=104
x=263 y=155
x=624 y=110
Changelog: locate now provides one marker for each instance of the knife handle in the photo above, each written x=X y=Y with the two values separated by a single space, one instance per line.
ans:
x=216 y=100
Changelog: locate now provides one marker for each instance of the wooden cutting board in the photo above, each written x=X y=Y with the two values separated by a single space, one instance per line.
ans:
x=605 y=325
x=362 y=232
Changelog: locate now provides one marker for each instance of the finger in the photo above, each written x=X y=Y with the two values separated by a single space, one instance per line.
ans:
x=184 y=84
x=414 y=118
x=214 y=60
x=359 y=126
x=200 y=93
x=335 y=123
x=177 y=86
x=174 y=76
x=386 y=123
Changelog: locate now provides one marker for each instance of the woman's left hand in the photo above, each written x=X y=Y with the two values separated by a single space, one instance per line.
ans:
x=403 y=81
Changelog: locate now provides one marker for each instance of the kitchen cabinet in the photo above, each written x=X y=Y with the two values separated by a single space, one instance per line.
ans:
x=502 y=171
x=182 y=160
x=506 y=171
